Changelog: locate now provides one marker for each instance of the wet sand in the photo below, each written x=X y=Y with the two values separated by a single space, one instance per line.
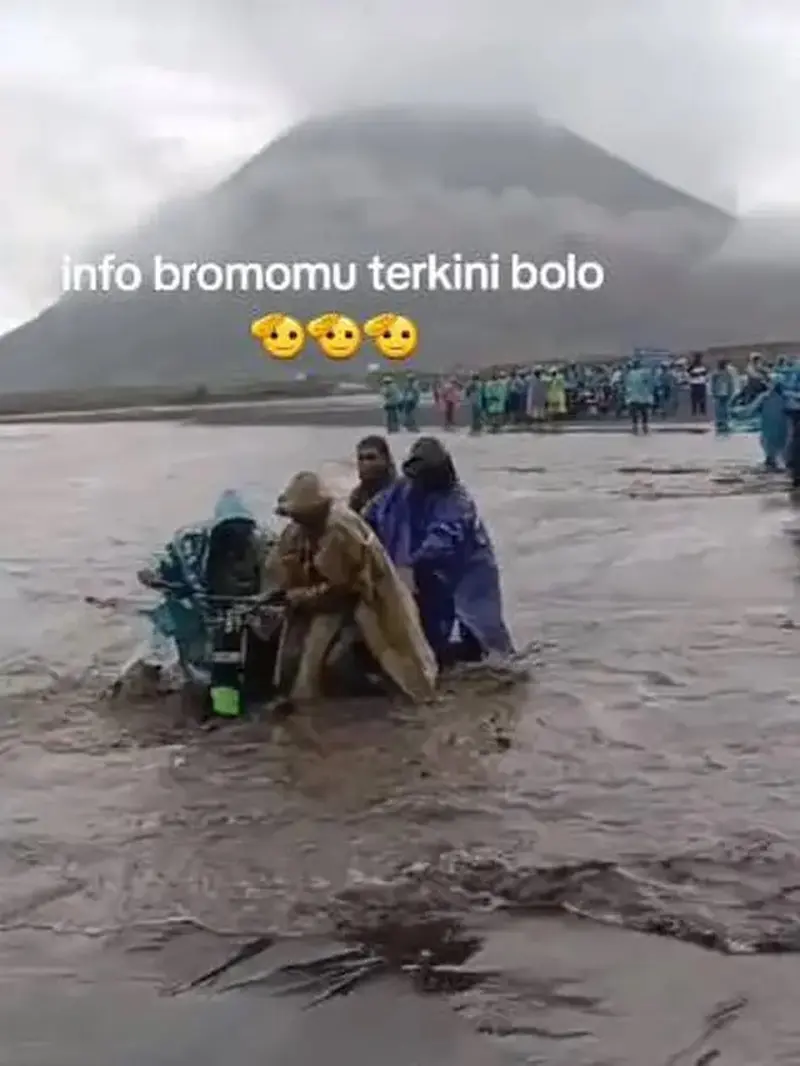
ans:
x=385 y=1023
x=659 y=735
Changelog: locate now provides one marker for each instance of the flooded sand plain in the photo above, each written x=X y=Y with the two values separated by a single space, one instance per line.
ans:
x=646 y=778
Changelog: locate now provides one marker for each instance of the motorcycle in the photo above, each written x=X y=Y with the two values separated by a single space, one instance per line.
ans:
x=225 y=647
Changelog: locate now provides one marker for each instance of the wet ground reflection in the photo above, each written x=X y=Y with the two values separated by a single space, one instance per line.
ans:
x=646 y=776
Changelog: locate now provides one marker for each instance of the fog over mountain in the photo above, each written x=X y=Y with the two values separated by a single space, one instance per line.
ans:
x=448 y=133
x=400 y=183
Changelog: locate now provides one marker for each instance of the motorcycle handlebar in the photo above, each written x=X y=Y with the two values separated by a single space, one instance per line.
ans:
x=273 y=598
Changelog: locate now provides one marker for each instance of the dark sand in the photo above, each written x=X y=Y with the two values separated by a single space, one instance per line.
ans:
x=356 y=411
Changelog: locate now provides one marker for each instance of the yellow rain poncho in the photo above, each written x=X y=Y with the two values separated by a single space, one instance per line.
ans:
x=336 y=572
x=556 y=394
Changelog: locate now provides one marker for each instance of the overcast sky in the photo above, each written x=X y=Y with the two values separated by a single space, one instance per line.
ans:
x=106 y=109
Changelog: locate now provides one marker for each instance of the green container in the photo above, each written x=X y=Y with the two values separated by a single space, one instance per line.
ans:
x=226 y=702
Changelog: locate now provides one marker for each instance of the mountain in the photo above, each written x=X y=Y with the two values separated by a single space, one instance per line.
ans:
x=401 y=183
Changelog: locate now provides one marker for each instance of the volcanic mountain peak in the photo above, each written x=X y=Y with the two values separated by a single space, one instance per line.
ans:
x=400 y=182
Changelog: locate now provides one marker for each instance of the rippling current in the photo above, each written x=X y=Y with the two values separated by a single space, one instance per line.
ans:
x=645 y=779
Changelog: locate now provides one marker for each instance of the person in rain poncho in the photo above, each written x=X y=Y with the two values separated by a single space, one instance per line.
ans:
x=723 y=385
x=516 y=400
x=756 y=379
x=495 y=392
x=556 y=395
x=537 y=397
x=665 y=390
x=782 y=365
x=392 y=400
x=336 y=575
x=410 y=400
x=376 y=470
x=221 y=556
x=448 y=402
x=196 y=555
x=639 y=395
x=767 y=415
x=474 y=394
x=431 y=528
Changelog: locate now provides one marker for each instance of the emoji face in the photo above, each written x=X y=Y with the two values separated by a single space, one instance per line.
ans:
x=396 y=337
x=338 y=336
x=281 y=337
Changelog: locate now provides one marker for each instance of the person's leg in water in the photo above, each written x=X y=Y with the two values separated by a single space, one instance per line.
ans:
x=722 y=417
x=635 y=411
x=392 y=421
x=771 y=463
x=350 y=669
x=437 y=613
x=645 y=415
x=464 y=648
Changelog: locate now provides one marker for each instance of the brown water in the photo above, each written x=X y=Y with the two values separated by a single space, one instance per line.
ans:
x=661 y=735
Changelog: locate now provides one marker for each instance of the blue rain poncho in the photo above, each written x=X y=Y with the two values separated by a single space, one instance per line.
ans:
x=440 y=536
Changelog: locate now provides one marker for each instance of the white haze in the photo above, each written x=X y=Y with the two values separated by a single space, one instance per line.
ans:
x=108 y=110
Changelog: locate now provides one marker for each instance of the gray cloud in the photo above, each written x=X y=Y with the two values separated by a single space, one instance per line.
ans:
x=696 y=92
x=424 y=212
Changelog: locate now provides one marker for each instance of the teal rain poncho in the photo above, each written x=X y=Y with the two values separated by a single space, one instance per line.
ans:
x=179 y=621
x=767 y=416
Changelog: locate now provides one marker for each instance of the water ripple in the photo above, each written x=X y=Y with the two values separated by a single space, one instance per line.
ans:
x=647 y=774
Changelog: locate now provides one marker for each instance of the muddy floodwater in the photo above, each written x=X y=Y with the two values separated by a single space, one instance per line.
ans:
x=616 y=840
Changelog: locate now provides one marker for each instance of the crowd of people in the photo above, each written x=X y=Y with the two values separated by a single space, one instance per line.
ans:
x=498 y=399
x=381 y=593
x=638 y=389
x=401 y=582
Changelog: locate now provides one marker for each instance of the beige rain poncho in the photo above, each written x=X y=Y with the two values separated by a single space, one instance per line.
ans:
x=340 y=573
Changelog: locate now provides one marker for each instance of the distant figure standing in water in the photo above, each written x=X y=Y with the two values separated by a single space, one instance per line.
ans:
x=698 y=386
x=537 y=397
x=392 y=400
x=475 y=397
x=449 y=400
x=410 y=403
x=494 y=392
x=723 y=386
x=517 y=398
x=556 y=395
x=639 y=395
